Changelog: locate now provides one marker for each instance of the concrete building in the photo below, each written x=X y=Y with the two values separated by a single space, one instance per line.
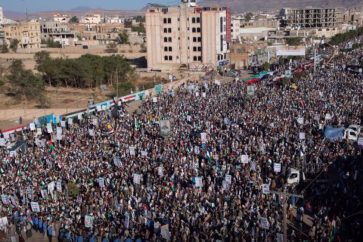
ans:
x=91 y=19
x=115 y=20
x=189 y=35
x=1 y=16
x=58 y=32
x=311 y=17
x=28 y=34
x=61 y=18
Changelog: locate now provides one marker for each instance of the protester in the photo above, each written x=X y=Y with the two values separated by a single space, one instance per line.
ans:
x=115 y=178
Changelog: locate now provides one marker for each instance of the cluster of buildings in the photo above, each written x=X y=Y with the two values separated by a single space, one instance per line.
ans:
x=202 y=37
x=92 y=29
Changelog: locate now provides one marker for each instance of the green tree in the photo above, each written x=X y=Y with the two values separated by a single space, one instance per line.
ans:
x=123 y=37
x=295 y=41
x=24 y=84
x=266 y=66
x=111 y=48
x=41 y=57
x=4 y=48
x=74 y=20
x=14 y=45
x=51 y=43
x=139 y=29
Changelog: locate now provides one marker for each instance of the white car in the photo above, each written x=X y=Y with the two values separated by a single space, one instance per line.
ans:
x=353 y=132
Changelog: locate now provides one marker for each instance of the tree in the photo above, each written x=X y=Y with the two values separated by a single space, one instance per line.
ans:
x=266 y=66
x=248 y=17
x=139 y=29
x=24 y=84
x=123 y=37
x=41 y=57
x=51 y=43
x=74 y=20
x=4 y=48
x=111 y=48
x=294 y=41
x=14 y=44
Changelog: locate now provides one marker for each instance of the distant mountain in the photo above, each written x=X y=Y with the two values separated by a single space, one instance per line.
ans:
x=238 y=6
x=14 y=15
x=80 y=9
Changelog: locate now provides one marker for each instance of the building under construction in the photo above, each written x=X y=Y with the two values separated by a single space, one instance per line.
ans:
x=311 y=17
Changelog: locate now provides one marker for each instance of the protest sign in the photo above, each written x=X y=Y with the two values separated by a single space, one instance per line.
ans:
x=5 y=199
x=91 y=132
x=95 y=122
x=360 y=141
x=164 y=231
x=117 y=161
x=44 y=193
x=228 y=179
x=204 y=94
x=63 y=124
x=196 y=150
x=264 y=223
x=217 y=82
x=101 y=182
x=39 y=131
x=136 y=178
x=70 y=121
x=155 y=99
x=3 y=222
x=2 y=142
x=198 y=181
x=265 y=188
x=59 y=130
x=251 y=90
x=165 y=127
x=302 y=135
x=59 y=186
x=132 y=150
x=88 y=221
x=197 y=94
x=35 y=207
x=203 y=137
x=51 y=187
x=144 y=153
x=32 y=126
x=80 y=117
x=277 y=167
x=49 y=128
x=160 y=171
x=300 y=120
x=244 y=159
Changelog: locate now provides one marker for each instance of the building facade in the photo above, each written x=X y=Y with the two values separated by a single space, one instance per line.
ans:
x=311 y=17
x=58 y=31
x=27 y=33
x=187 y=35
x=61 y=18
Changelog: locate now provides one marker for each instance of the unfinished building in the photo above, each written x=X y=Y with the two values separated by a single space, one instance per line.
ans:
x=311 y=18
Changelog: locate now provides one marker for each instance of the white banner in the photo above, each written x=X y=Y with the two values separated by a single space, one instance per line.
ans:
x=32 y=126
x=88 y=221
x=301 y=135
x=228 y=179
x=203 y=137
x=49 y=128
x=198 y=182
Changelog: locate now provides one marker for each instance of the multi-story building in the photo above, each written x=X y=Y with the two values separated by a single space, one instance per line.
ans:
x=1 y=26
x=91 y=19
x=311 y=17
x=27 y=33
x=58 y=32
x=61 y=18
x=187 y=35
x=115 y=20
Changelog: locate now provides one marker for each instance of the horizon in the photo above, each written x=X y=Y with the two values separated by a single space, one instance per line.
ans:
x=32 y=6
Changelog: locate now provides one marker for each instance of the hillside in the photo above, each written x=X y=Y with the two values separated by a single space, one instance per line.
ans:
x=256 y=5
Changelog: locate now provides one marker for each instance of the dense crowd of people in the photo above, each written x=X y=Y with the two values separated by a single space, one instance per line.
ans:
x=113 y=177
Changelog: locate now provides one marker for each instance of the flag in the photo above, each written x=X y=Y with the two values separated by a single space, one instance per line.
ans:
x=137 y=124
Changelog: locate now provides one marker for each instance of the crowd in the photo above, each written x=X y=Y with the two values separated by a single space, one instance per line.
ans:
x=113 y=177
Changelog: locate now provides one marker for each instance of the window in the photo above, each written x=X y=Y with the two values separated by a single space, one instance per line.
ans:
x=170 y=58
x=193 y=20
x=165 y=48
x=194 y=58
x=169 y=39
x=169 y=30
x=199 y=39
x=199 y=48
x=165 y=21
x=165 y=39
x=193 y=30
x=198 y=20
x=198 y=30
x=194 y=39
x=199 y=58
x=169 y=20
x=165 y=58
x=170 y=49
x=194 y=48
x=165 y=30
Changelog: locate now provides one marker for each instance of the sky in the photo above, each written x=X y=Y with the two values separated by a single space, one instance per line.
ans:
x=45 y=5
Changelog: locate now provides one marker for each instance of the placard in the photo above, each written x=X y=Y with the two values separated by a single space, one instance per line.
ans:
x=277 y=167
x=155 y=99
x=59 y=130
x=160 y=171
x=136 y=178
x=49 y=128
x=95 y=122
x=264 y=223
x=132 y=150
x=328 y=116
x=51 y=187
x=63 y=124
x=197 y=94
x=144 y=153
x=301 y=135
x=101 y=182
x=5 y=199
x=88 y=221
x=59 y=186
x=80 y=117
x=35 y=207
x=91 y=132
x=265 y=188
x=204 y=94
x=44 y=193
x=164 y=231
x=244 y=159
x=300 y=120
x=228 y=179
x=203 y=137
x=2 y=142
x=39 y=131
x=70 y=121
x=217 y=82
x=117 y=161
x=250 y=90
x=32 y=126
x=360 y=141
x=198 y=181
x=3 y=222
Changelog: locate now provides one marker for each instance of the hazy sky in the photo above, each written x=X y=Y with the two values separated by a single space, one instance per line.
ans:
x=43 y=5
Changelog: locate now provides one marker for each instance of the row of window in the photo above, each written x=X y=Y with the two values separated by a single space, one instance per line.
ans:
x=168 y=48
x=167 y=20
x=194 y=20
x=167 y=39
x=195 y=39
x=196 y=30
x=197 y=48
x=167 y=30
x=170 y=58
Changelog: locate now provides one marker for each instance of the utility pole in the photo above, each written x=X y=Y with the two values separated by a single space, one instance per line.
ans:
x=285 y=198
